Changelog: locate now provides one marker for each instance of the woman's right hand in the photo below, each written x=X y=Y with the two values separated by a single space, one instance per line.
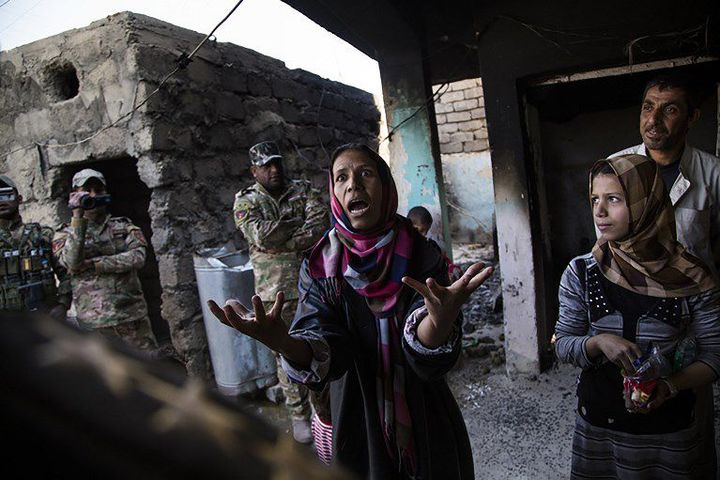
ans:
x=618 y=350
x=266 y=327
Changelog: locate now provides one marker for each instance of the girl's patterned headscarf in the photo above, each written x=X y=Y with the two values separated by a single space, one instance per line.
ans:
x=373 y=263
x=649 y=260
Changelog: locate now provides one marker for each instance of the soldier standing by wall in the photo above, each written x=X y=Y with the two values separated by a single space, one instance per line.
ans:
x=279 y=220
x=27 y=266
x=103 y=255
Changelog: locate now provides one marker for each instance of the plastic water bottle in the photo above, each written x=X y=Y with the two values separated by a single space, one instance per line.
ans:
x=652 y=365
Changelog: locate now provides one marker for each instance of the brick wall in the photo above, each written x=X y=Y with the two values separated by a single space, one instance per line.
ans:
x=460 y=114
x=467 y=169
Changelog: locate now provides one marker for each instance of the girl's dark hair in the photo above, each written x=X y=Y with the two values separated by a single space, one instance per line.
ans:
x=383 y=168
x=601 y=167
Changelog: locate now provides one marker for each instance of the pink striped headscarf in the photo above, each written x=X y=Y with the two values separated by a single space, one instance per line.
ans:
x=373 y=263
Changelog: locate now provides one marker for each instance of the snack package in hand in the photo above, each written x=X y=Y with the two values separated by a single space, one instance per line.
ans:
x=638 y=391
x=639 y=386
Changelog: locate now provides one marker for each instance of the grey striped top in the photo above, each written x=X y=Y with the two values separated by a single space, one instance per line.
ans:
x=580 y=294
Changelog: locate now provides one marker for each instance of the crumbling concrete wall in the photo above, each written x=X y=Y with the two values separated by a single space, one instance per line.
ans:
x=190 y=140
x=465 y=153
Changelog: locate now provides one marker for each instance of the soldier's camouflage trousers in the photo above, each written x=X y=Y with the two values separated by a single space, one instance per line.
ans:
x=298 y=398
x=137 y=333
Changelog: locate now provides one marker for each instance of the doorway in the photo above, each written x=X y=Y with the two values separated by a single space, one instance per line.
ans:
x=574 y=120
x=131 y=198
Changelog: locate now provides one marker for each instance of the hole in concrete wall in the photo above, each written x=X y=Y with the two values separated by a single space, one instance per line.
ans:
x=61 y=81
x=131 y=198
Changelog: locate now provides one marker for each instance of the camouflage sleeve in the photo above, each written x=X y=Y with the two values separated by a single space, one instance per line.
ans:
x=263 y=234
x=132 y=259
x=69 y=244
x=317 y=221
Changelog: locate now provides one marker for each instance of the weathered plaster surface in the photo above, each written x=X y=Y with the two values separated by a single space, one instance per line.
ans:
x=518 y=271
x=470 y=196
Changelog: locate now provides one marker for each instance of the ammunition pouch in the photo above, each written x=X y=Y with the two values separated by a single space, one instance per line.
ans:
x=11 y=261
x=26 y=275
x=32 y=295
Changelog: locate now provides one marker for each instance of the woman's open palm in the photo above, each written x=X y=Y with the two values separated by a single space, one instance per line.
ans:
x=443 y=303
x=266 y=327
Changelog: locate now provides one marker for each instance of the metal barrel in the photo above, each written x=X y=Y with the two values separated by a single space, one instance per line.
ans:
x=241 y=364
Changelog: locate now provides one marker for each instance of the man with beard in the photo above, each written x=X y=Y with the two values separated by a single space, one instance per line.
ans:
x=669 y=109
x=280 y=220
x=27 y=267
x=103 y=255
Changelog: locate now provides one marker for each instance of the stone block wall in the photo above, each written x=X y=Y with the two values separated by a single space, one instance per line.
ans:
x=188 y=143
x=466 y=161
x=460 y=116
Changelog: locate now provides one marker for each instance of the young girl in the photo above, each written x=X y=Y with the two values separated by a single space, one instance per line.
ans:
x=638 y=286
x=375 y=320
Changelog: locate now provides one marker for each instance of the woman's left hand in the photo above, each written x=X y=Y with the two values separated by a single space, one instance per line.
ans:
x=443 y=303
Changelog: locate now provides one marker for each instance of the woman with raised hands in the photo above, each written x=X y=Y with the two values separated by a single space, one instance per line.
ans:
x=378 y=318
x=639 y=299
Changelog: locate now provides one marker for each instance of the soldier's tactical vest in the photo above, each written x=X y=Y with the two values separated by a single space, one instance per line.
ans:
x=26 y=274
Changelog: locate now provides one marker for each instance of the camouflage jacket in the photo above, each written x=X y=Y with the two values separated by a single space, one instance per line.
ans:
x=28 y=269
x=278 y=231
x=107 y=293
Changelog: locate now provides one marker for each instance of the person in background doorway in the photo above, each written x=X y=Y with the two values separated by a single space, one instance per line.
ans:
x=670 y=108
x=637 y=288
x=422 y=221
x=103 y=255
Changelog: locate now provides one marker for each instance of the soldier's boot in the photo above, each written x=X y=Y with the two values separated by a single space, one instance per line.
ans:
x=302 y=432
x=297 y=404
x=275 y=394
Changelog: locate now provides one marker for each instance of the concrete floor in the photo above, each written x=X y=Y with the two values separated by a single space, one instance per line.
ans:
x=521 y=428
x=507 y=420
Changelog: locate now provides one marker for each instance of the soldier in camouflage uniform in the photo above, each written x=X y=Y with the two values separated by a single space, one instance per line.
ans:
x=103 y=255
x=27 y=267
x=280 y=220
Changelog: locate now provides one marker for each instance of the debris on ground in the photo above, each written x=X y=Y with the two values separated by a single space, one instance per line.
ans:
x=484 y=307
x=483 y=336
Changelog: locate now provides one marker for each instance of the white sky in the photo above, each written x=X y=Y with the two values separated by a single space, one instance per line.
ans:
x=268 y=26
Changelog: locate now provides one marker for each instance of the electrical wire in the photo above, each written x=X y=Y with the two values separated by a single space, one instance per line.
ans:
x=4 y=3
x=431 y=99
x=317 y=125
x=20 y=16
x=182 y=62
x=578 y=37
x=697 y=31
x=442 y=89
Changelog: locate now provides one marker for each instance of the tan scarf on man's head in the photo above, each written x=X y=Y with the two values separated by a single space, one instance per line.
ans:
x=649 y=260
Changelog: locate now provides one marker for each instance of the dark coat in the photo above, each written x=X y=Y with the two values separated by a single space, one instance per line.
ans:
x=342 y=319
